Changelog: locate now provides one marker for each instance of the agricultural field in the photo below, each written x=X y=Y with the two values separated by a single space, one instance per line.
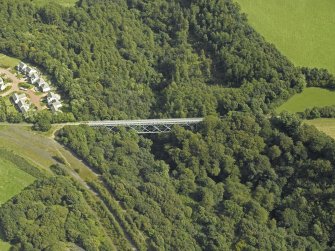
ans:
x=66 y=3
x=309 y=98
x=8 y=62
x=303 y=30
x=324 y=125
x=12 y=180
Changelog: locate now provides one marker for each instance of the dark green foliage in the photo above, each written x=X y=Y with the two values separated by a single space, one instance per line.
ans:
x=243 y=182
x=57 y=169
x=318 y=112
x=48 y=214
x=21 y=163
x=318 y=78
x=127 y=59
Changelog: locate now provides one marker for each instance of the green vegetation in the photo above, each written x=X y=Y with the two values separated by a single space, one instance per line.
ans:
x=303 y=30
x=4 y=246
x=6 y=61
x=129 y=59
x=240 y=182
x=309 y=98
x=12 y=180
x=324 y=125
x=49 y=214
x=66 y=3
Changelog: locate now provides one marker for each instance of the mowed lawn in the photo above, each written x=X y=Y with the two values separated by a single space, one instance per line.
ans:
x=324 y=125
x=303 y=30
x=6 y=61
x=4 y=246
x=309 y=98
x=12 y=180
x=66 y=3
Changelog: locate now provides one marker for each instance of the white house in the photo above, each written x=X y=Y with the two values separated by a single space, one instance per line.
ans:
x=3 y=85
x=55 y=106
x=34 y=78
x=19 y=97
x=52 y=97
x=24 y=107
x=45 y=87
x=30 y=71
x=22 y=67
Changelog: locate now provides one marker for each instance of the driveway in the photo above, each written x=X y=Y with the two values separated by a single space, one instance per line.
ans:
x=34 y=98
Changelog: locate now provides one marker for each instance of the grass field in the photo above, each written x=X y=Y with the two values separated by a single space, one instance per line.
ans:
x=4 y=246
x=7 y=62
x=41 y=152
x=324 y=125
x=66 y=3
x=12 y=180
x=309 y=98
x=303 y=30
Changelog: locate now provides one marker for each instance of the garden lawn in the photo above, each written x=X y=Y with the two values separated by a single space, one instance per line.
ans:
x=12 y=180
x=309 y=98
x=303 y=30
x=8 y=62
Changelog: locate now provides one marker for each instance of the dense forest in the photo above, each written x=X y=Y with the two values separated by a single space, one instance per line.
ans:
x=139 y=59
x=238 y=183
x=241 y=180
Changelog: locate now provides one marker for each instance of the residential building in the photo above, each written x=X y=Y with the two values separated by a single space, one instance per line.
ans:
x=22 y=67
x=34 y=78
x=3 y=85
x=45 y=87
x=19 y=97
x=20 y=101
x=30 y=71
x=52 y=97
x=55 y=106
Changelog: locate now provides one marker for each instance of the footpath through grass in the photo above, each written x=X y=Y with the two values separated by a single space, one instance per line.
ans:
x=303 y=30
x=309 y=98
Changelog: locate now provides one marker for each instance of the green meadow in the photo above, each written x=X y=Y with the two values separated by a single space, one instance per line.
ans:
x=309 y=98
x=324 y=125
x=4 y=246
x=6 y=61
x=12 y=180
x=303 y=30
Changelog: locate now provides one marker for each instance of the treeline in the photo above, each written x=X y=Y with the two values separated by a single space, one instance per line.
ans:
x=318 y=78
x=140 y=59
x=238 y=183
x=318 y=112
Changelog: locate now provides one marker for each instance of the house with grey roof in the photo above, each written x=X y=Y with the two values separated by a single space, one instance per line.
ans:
x=34 y=78
x=30 y=71
x=19 y=97
x=55 y=106
x=22 y=67
x=20 y=101
x=52 y=97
